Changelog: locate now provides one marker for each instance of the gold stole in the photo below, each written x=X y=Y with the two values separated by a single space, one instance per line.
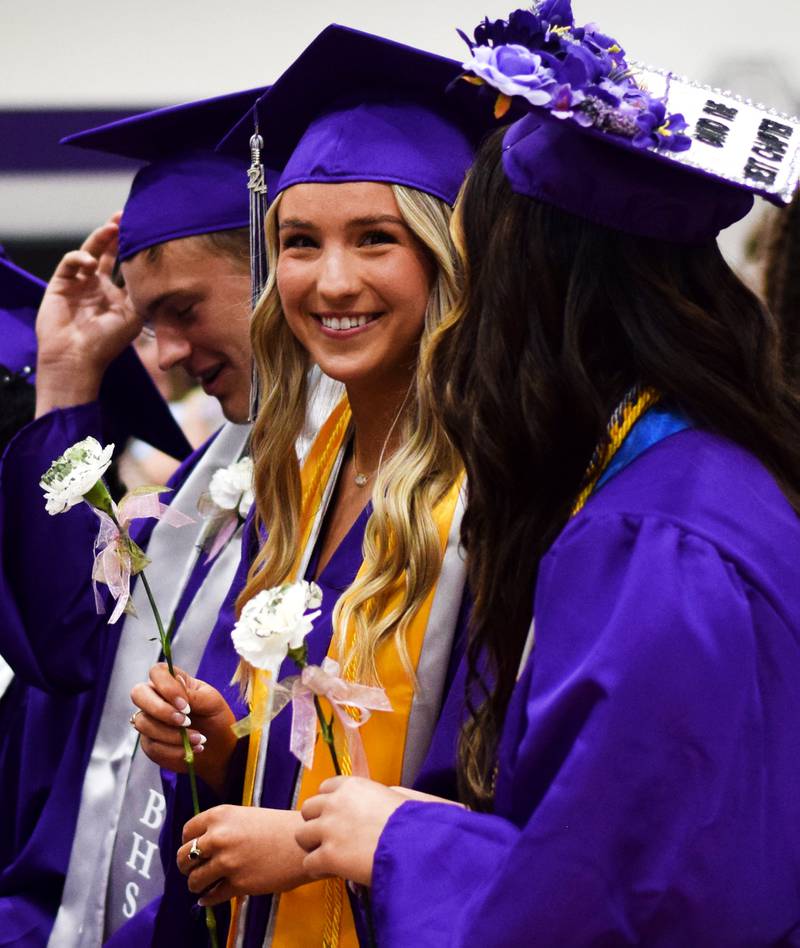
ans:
x=319 y=914
x=315 y=475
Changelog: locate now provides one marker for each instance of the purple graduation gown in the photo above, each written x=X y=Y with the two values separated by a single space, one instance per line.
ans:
x=649 y=767
x=62 y=653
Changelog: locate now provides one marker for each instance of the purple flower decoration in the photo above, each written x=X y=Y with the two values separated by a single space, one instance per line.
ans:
x=577 y=67
x=522 y=28
x=564 y=101
x=556 y=12
x=576 y=73
x=513 y=70
x=530 y=28
x=672 y=135
x=656 y=129
x=601 y=43
x=647 y=122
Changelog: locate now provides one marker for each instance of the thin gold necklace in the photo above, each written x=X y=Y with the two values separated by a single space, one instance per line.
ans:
x=361 y=480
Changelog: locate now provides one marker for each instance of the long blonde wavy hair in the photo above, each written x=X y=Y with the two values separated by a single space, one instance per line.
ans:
x=401 y=542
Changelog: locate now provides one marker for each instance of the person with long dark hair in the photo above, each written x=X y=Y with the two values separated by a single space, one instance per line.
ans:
x=782 y=281
x=629 y=759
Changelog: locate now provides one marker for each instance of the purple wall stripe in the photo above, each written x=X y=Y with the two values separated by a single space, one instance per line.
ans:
x=29 y=140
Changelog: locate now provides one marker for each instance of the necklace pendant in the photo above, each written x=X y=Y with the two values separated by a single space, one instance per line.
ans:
x=361 y=480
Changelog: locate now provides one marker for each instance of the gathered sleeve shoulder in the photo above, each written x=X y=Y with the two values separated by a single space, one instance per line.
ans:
x=647 y=766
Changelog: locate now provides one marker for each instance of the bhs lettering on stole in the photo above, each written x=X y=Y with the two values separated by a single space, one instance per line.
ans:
x=143 y=849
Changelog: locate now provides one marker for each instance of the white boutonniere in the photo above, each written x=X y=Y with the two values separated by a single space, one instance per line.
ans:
x=226 y=504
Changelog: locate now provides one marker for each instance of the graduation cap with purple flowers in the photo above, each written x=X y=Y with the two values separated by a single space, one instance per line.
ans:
x=633 y=148
x=132 y=405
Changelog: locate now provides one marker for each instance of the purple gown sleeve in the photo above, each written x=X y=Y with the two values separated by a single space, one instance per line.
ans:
x=45 y=593
x=648 y=768
x=49 y=628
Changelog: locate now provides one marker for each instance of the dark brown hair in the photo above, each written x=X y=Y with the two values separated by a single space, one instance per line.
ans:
x=559 y=318
x=782 y=281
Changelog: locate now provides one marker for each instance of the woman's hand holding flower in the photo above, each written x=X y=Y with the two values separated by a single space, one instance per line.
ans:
x=343 y=824
x=167 y=704
x=244 y=851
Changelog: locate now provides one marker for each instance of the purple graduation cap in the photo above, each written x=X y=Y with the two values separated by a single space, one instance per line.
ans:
x=358 y=107
x=132 y=405
x=186 y=188
x=626 y=146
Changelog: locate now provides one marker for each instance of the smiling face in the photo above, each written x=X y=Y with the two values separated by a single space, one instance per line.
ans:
x=197 y=302
x=354 y=281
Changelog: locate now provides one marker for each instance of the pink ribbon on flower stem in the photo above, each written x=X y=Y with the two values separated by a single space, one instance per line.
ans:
x=113 y=548
x=324 y=681
x=227 y=527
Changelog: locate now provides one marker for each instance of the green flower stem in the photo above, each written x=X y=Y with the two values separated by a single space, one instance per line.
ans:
x=327 y=735
x=188 y=753
x=166 y=647
x=299 y=655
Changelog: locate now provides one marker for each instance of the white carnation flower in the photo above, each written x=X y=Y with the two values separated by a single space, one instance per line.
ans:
x=231 y=488
x=70 y=477
x=275 y=621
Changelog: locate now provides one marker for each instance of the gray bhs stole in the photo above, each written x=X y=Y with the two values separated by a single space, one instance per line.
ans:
x=114 y=867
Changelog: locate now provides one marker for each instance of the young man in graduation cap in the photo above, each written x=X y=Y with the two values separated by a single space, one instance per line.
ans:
x=184 y=258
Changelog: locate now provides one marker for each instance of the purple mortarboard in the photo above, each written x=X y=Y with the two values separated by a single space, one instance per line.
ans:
x=132 y=405
x=357 y=107
x=186 y=188
x=626 y=146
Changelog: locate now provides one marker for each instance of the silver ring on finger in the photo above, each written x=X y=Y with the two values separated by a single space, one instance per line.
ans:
x=132 y=718
x=194 y=852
